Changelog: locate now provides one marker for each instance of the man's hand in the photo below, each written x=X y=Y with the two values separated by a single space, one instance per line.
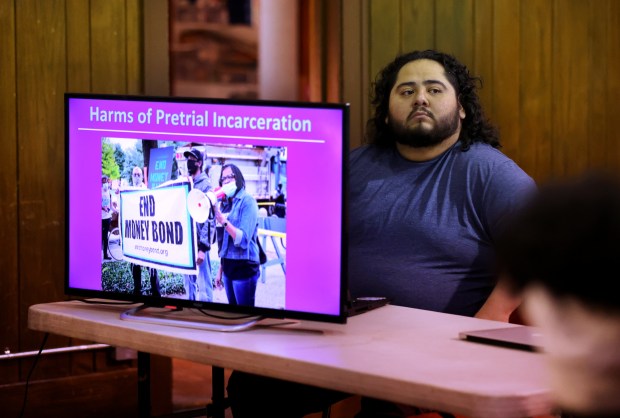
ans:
x=201 y=257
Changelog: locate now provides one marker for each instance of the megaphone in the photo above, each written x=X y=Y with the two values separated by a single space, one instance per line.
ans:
x=198 y=205
x=216 y=194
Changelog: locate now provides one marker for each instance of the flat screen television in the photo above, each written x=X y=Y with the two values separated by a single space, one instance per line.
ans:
x=292 y=156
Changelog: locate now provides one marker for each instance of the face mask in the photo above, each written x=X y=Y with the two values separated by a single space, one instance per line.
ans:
x=192 y=166
x=229 y=188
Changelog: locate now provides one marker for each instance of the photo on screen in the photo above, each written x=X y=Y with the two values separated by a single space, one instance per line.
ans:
x=152 y=242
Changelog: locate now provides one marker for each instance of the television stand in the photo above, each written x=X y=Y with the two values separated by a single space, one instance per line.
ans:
x=179 y=317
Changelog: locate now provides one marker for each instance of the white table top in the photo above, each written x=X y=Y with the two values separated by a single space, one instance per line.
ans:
x=400 y=354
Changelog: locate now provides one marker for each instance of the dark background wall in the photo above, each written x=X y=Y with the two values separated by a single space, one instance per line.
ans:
x=551 y=70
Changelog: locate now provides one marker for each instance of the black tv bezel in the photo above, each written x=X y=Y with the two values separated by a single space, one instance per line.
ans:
x=152 y=301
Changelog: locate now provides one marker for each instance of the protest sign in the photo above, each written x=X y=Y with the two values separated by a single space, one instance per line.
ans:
x=156 y=228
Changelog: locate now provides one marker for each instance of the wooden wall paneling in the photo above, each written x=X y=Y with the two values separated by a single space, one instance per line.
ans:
x=418 y=25
x=41 y=70
x=333 y=52
x=535 y=88
x=312 y=56
x=155 y=56
x=94 y=395
x=320 y=51
x=319 y=63
x=48 y=367
x=103 y=360
x=304 y=49
x=9 y=291
x=384 y=34
x=84 y=362
x=355 y=80
x=78 y=46
x=598 y=71
x=78 y=76
x=612 y=83
x=483 y=53
x=108 y=46
x=570 y=112
x=506 y=74
x=454 y=29
x=135 y=42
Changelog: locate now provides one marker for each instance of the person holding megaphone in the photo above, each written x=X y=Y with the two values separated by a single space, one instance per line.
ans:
x=200 y=287
x=237 y=219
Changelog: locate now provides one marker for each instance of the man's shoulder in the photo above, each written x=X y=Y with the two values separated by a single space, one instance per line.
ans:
x=482 y=148
x=482 y=154
x=492 y=165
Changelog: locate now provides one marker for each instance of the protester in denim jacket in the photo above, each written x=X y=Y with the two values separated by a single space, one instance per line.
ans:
x=238 y=217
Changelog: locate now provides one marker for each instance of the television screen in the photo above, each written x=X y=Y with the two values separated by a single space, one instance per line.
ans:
x=137 y=207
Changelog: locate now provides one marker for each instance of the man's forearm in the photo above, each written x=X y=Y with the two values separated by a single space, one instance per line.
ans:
x=500 y=304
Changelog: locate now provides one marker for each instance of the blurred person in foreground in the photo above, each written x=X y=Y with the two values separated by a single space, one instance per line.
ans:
x=561 y=252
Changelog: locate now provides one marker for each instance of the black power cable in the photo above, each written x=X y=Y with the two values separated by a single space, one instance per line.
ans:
x=34 y=364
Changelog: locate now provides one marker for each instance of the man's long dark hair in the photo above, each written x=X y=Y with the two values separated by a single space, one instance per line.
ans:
x=475 y=126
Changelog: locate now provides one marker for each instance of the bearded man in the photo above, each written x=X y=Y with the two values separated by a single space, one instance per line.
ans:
x=429 y=193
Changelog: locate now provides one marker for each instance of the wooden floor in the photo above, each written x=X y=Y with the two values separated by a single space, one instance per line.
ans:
x=191 y=389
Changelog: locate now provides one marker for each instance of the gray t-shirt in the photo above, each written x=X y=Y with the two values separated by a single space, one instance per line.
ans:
x=421 y=233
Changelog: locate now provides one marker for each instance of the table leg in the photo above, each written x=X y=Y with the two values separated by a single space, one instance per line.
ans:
x=144 y=385
x=218 y=382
